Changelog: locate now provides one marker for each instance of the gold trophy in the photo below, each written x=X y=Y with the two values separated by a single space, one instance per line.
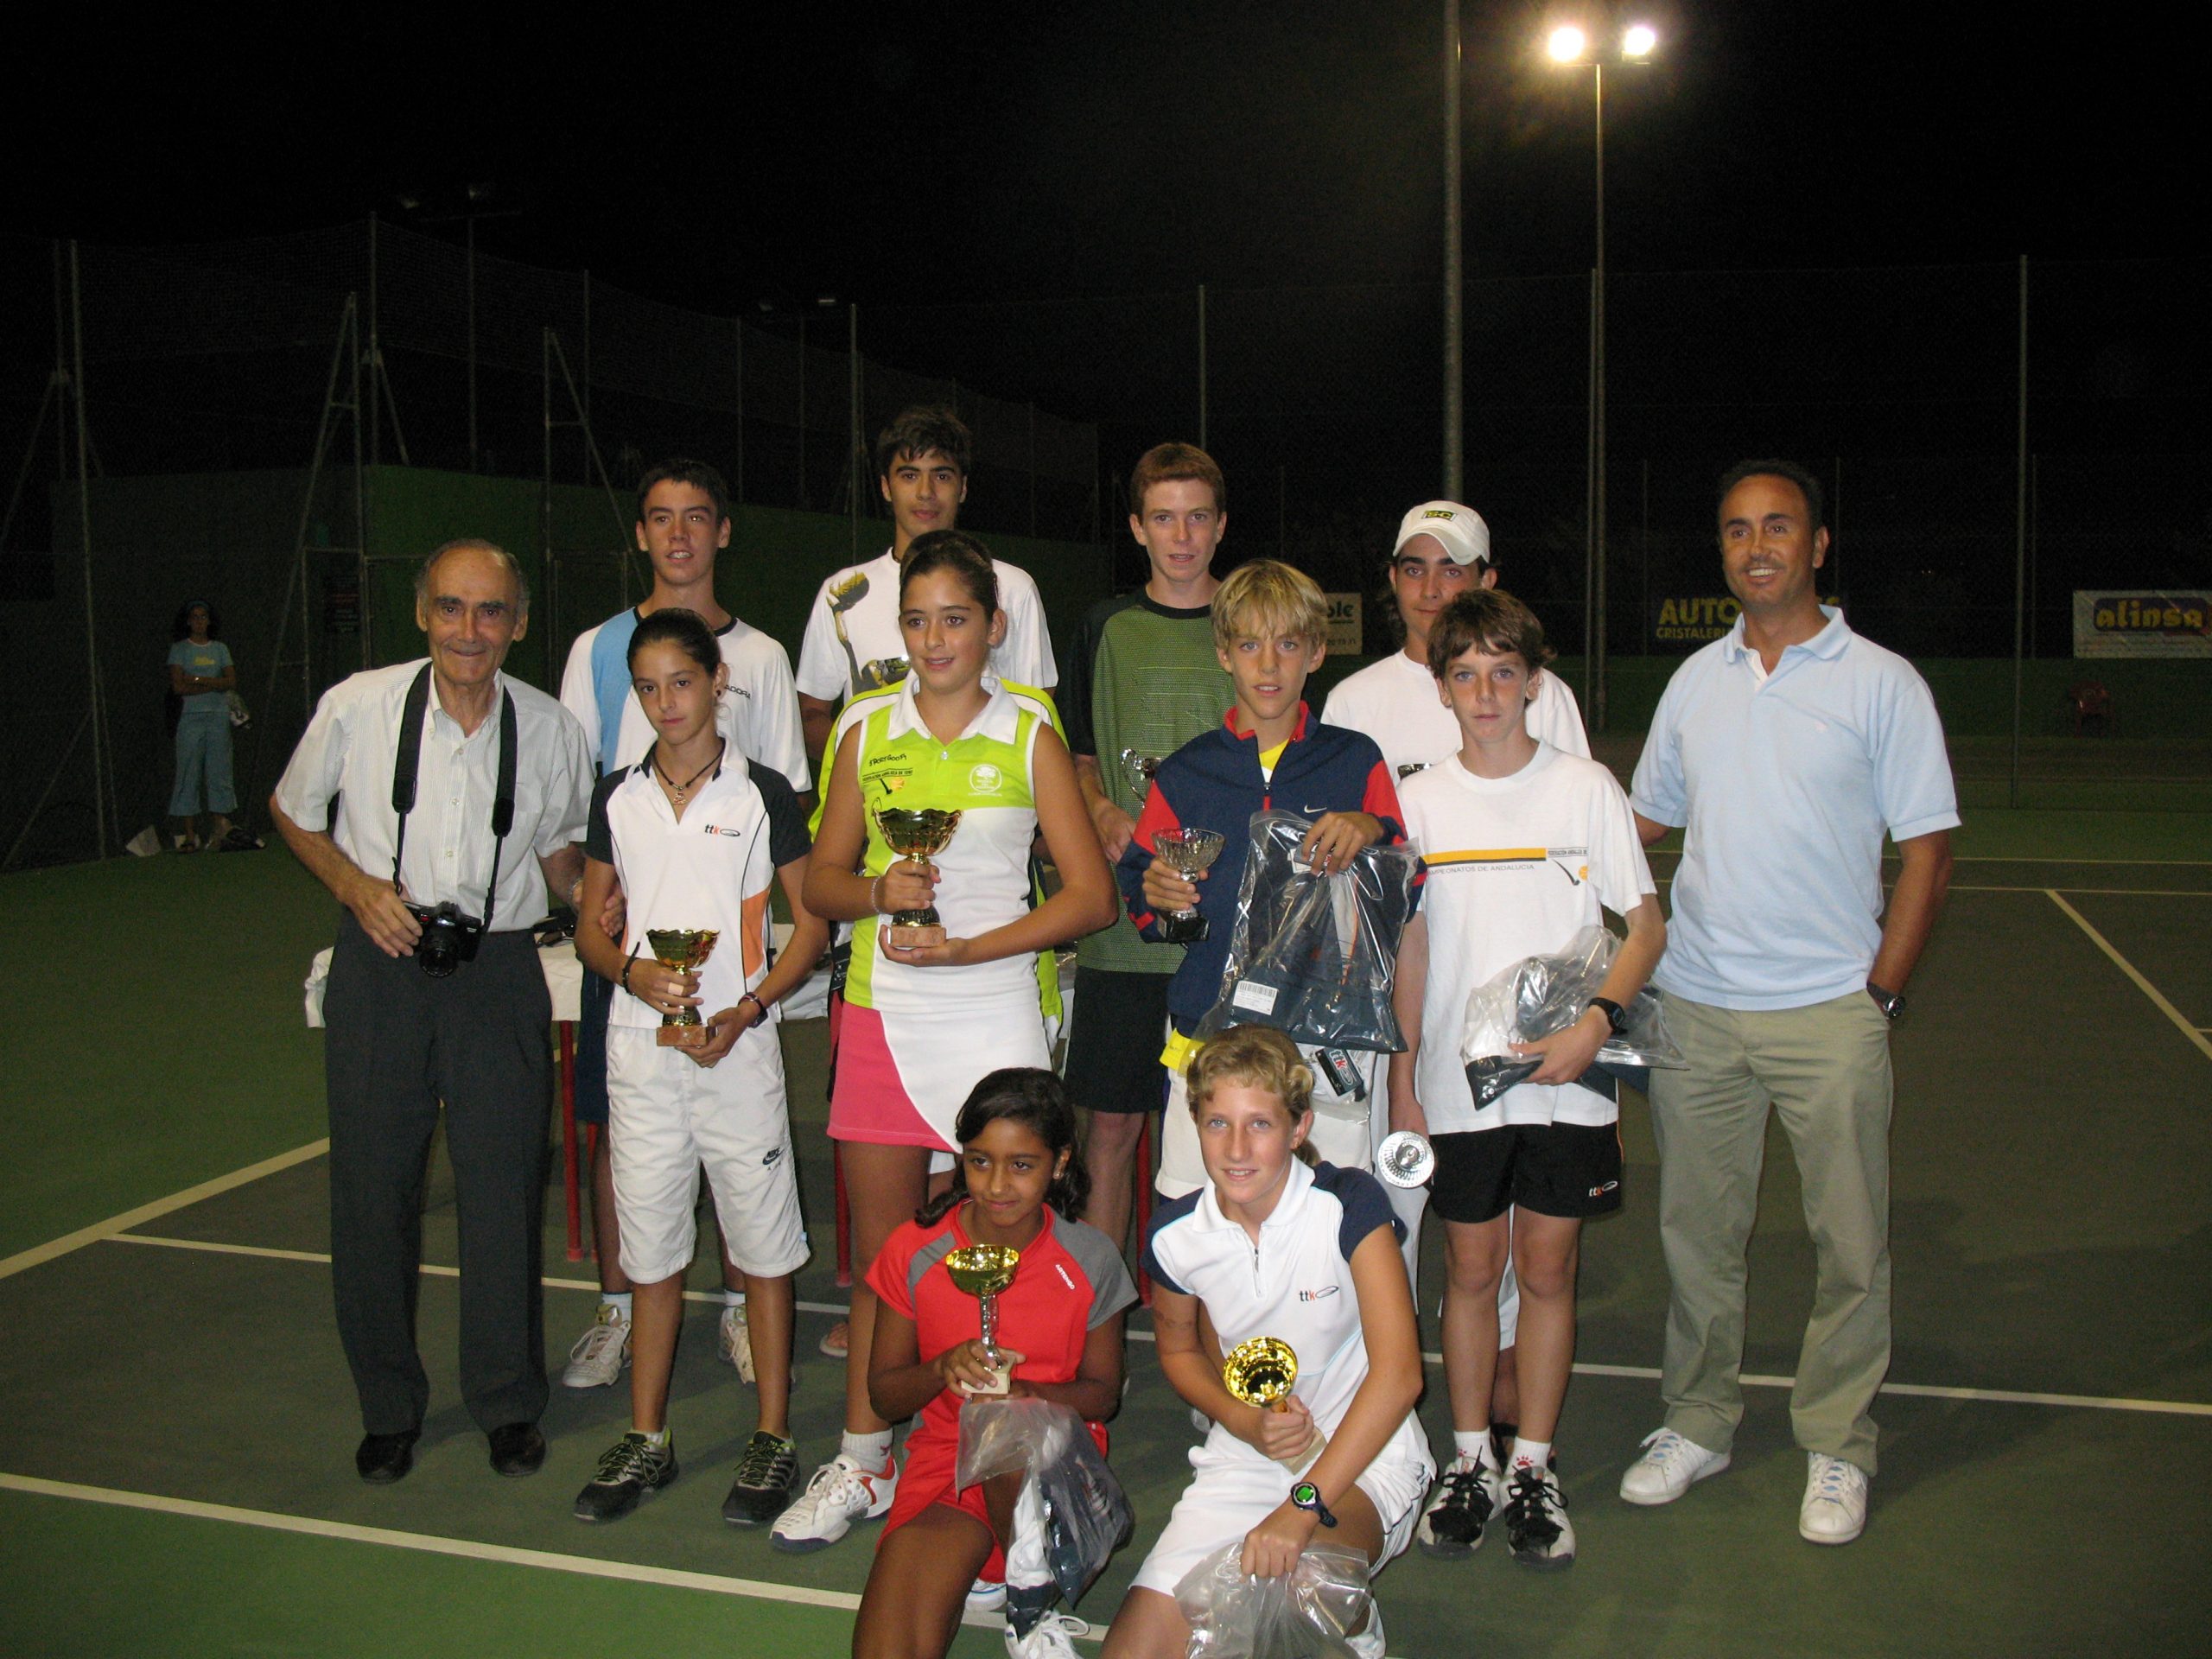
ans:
x=984 y=1271
x=1190 y=853
x=916 y=833
x=1260 y=1371
x=685 y=950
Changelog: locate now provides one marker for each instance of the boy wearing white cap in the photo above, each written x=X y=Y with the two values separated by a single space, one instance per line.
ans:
x=1442 y=551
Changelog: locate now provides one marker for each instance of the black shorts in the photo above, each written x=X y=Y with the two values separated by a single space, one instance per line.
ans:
x=1119 y=1026
x=1569 y=1170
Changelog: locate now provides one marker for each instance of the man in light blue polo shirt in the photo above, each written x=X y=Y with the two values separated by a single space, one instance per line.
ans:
x=1787 y=749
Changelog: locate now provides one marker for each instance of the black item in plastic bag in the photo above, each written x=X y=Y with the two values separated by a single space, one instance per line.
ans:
x=1087 y=1514
x=1306 y=1614
x=1313 y=956
x=1539 y=997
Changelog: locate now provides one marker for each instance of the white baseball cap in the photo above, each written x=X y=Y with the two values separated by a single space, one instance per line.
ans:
x=1460 y=529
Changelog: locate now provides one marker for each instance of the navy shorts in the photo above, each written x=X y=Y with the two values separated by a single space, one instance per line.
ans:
x=1119 y=1026
x=1569 y=1170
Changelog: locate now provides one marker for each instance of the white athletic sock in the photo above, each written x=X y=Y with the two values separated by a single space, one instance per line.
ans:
x=1475 y=1445
x=619 y=1299
x=733 y=1298
x=1537 y=1454
x=656 y=1437
x=871 y=1452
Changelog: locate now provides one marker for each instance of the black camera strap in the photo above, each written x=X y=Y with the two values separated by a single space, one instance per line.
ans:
x=408 y=765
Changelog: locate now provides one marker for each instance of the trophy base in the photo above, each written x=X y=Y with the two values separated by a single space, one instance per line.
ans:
x=697 y=1036
x=990 y=1390
x=1309 y=1456
x=913 y=936
x=1183 y=929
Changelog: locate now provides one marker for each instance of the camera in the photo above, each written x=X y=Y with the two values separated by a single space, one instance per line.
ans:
x=449 y=938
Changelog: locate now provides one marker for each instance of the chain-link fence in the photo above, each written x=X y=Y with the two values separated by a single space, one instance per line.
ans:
x=1901 y=388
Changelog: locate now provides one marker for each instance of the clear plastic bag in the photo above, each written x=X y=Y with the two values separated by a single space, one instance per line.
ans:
x=1315 y=956
x=1087 y=1514
x=1304 y=1615
x=1538 y=997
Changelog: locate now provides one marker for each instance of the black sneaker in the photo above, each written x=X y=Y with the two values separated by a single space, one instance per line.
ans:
x=766 y=1482
x=1535 y=1519
x=633 y=1469
x=1460 y=1505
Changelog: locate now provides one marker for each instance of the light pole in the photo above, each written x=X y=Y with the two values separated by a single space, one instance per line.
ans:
x=1570 y=47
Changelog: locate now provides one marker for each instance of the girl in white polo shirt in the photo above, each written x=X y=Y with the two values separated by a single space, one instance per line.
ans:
x=922 y=1025
x=695 y=834
x=1273 y=1247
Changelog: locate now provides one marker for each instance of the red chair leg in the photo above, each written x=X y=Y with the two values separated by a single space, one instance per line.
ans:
x=1143 y=1208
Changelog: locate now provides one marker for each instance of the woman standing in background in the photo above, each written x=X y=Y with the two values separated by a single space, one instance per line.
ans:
x=201 y=675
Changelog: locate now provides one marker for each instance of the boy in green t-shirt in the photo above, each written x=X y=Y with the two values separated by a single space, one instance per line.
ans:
x=1145 y=679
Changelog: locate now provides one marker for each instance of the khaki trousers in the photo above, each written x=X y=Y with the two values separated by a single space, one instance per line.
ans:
x=1825 y=1070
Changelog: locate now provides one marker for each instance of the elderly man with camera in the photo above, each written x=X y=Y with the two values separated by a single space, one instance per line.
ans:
x=459 y=796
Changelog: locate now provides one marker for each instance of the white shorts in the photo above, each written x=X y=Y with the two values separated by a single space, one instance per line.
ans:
x=1342 y=1140
x=1232 y=1491
x=667 y=1115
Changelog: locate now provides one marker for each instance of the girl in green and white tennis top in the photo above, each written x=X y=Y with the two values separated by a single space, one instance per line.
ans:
x=921 y=1026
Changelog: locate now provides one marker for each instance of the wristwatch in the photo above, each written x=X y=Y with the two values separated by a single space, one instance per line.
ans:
x=1616 y=1015
x=1892 y=1003
x=1306 y=1495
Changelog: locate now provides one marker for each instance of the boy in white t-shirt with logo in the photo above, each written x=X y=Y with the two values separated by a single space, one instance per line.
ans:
x=1523 y=845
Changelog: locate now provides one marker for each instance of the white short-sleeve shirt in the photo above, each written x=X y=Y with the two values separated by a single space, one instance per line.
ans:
x=853 y=642
x=1395 y=702
x=759 y=715
x=1516 y=866
x=349 y=751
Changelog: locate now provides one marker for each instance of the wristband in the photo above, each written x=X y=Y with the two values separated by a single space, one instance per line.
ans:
x=875 y=895
x=756 y=1002
x=627 y=964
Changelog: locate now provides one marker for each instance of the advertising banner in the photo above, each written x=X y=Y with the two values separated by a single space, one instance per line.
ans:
x=2171 y=624
x=1684 y=621
x=1345 y=615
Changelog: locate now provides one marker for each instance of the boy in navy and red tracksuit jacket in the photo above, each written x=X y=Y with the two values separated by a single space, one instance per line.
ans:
x=1269 y=754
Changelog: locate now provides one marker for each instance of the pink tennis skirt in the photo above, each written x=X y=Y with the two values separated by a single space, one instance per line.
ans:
x=869 y=1100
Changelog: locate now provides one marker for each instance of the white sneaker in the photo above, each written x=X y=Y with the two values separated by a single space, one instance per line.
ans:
x=841 y=1493
x=1052 y=1638
x=1368 y=1644
x=597 y=1360
x=1466 y=1497
x=736 y=1339
x=1671 y=1465
x=1834 y=1510
x=984 y=1596
x=1535 y=1519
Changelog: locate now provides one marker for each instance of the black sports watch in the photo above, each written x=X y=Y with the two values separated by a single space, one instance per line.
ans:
x=1892 y=1003
x=1306 y=1495
x=1616 y=1015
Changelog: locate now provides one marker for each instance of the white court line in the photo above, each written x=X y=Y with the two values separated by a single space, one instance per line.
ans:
x=2204 y=1046
x=1928 y=1390
x=191 y=1195
x=2115 y=893
x=2020 y=858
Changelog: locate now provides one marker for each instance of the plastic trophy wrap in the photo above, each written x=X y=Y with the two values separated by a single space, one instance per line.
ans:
x=984 y=1271
x=1540 y=997
x=684 y=951
x=917 y=833
x=1306 y=1614
x=1087 y=1515
x=1260 y=1371
x=1313 y=956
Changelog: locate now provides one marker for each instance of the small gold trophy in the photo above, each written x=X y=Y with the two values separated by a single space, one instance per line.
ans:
x=916 y=833
x=1190 y=853
x=1260 y=1371
x=685 y=950
x=984 y=1271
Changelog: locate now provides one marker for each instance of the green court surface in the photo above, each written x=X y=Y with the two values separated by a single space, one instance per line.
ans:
x=174 y=1471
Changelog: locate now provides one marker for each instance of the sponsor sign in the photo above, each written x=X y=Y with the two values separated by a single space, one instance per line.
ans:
x=1683 y=622
x=2171 y=624
x=1345 y=618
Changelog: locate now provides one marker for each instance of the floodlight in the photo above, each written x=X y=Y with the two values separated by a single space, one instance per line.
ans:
x=1565 y=44
x=1639 y=41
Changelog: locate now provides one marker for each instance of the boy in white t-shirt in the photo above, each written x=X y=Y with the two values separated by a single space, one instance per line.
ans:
x=1523 y=845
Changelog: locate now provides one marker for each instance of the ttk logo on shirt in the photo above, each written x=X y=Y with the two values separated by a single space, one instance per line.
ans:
x=717 y=829
x=1321 y=1294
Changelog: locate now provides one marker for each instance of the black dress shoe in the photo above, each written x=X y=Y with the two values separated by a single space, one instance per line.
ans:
x=381 y=1459
x=517 y=1449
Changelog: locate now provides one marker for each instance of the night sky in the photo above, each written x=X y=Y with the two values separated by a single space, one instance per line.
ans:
x=925 y=155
